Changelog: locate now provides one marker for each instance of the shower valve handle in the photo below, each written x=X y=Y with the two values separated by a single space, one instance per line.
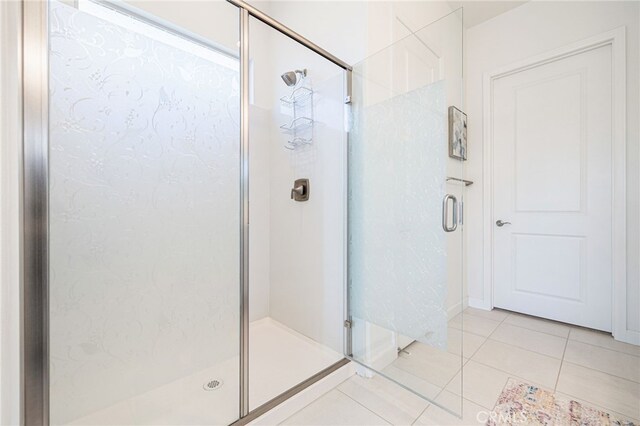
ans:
x=297 y=190
x=300 y=190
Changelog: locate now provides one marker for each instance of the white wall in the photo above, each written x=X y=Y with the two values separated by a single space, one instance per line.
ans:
x=531 y=29
x=353 y=30
x=10 y=213
x=215 y=20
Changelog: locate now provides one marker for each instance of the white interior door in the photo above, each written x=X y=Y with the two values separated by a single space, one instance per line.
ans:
x=552 y=135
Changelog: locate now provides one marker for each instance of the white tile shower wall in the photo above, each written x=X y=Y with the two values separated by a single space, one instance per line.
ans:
x=259 y=213
x=302 y=284
x=144 y=213
x=307 y=238
x=487 y=49
x=263 y=81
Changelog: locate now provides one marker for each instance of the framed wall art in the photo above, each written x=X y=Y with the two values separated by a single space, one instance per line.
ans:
x=457 y=134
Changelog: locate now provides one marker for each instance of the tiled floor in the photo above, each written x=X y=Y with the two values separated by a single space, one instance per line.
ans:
x=586 y=365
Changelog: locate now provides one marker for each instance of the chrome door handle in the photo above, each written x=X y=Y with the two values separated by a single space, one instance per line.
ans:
x=500 y=223
x=445 y=213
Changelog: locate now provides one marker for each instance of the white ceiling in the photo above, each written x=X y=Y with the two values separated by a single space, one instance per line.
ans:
x=476 y=12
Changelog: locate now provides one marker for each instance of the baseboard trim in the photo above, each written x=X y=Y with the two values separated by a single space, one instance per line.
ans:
x=480 y=304
x=456 y=309
x=628 y=336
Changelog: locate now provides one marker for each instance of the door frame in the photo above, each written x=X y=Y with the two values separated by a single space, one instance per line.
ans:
x=616 y=39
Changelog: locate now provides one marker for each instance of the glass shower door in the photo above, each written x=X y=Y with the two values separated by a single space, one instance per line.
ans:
x=144 y=181
x=296 y=260
x=405 y=214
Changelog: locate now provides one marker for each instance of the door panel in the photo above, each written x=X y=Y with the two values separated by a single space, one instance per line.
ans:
x=548 y=174
x=564 y=257
x=552 y=181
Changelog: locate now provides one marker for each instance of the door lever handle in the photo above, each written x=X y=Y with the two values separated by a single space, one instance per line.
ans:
x=500 y=223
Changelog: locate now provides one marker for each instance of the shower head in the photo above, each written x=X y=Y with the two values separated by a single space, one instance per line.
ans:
x=290 y=78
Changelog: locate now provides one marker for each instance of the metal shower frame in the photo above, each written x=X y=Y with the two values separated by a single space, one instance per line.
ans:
x=246 y=12
x=35 y=226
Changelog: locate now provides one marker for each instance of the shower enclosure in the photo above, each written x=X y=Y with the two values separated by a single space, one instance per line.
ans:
x=209 y=230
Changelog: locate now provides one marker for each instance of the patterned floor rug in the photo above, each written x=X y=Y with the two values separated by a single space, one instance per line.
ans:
x=524 y=404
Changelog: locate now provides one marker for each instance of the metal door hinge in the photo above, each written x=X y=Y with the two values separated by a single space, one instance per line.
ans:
x=347 y=324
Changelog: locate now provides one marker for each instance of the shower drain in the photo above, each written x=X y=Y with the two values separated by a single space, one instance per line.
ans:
x=212 y=385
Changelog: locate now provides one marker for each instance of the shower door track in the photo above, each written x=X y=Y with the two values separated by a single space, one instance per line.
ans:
x=34 y=327
x=274 y=402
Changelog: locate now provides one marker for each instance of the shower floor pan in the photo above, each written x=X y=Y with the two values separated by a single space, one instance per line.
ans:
x=279 y=359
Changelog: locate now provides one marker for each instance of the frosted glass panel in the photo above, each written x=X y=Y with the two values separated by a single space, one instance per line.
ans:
x=398 y=254
x=405 y=271
x=144 y=224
